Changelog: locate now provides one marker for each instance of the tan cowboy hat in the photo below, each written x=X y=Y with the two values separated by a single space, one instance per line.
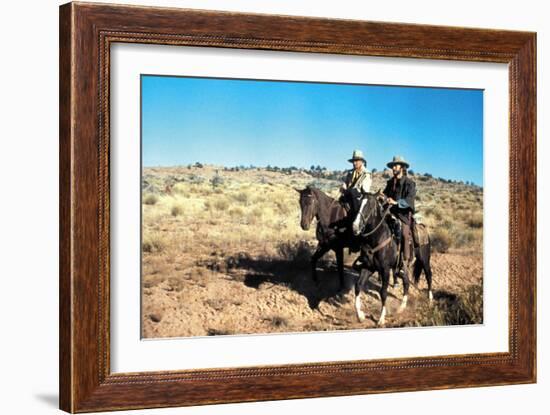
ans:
x=398 y=160
x=357 y=155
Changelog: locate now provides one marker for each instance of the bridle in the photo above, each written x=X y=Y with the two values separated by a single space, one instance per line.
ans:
x=386 y=211
x=312 y=206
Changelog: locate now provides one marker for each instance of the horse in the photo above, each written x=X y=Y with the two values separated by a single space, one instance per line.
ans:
x=422 y=252
x=331 y=216
x=381 y=253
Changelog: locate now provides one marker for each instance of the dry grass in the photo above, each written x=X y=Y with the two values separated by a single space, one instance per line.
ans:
x=260 y=208
x=153 y=243
x=475 y=221
x=204 y=229
x=177 y=210
x=298 y=253
x=150 y=199
x=464 y=307
x=441 y=240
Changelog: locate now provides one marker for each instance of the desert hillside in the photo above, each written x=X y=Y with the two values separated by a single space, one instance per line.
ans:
x=223 y=253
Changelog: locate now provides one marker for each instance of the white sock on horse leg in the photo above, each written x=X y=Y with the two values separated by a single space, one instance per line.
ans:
x=358 y=311
x=382 y=319
x=403 y=304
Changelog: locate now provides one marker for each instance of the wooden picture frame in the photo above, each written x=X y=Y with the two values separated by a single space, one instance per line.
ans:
x=86 y=33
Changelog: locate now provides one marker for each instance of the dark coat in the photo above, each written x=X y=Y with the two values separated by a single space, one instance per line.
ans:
x=403 y=191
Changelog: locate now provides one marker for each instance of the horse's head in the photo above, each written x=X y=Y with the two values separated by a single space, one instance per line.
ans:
x=308 y=206
x=369 y=205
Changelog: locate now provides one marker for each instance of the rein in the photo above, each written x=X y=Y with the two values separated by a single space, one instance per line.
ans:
x=380 y=246
x=370 y=252
x=379 y=224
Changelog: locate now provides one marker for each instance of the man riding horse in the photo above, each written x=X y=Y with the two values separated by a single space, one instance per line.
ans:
x=356 y=184
x=400 y=192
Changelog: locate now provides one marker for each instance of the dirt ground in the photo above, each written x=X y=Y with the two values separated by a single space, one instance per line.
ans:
x=255 y=297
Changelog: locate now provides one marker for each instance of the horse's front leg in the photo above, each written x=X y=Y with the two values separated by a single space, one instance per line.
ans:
x=360 y=283
x=319 y=252
x=339 y=250
x=395 y=274
x=406 y=284
x=385 y=274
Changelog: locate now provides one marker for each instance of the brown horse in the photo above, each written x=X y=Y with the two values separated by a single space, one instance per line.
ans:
x=333 y=231
x=380 y=250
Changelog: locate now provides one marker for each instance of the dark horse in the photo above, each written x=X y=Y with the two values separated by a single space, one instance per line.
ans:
x=379 y=253
x=331 y=217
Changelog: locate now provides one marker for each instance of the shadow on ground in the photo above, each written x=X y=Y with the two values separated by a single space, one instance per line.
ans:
x=258 y=271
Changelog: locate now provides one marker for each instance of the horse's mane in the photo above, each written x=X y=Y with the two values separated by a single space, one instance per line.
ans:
x=319 y=193
x=378 y=206
x=329 y=209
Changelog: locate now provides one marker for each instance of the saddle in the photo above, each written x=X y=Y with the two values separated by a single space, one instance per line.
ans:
x=420 y=234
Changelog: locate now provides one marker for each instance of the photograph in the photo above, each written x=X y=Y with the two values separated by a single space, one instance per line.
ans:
x=274 y=206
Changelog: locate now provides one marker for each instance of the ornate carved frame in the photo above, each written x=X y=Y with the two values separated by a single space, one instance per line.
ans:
x=86 y=33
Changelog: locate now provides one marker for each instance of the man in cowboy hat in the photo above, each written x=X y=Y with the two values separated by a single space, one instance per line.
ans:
x=400 y=192
x=356 y=183
x=357 y=178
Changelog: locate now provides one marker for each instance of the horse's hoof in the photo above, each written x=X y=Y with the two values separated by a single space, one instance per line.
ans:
x=403 y=305
x=382 y=319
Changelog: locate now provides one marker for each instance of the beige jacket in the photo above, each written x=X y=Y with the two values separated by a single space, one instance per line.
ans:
x=361 y=183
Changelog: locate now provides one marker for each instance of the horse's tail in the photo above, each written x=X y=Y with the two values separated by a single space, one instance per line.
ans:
x=418 y=267
x=422 y=262
x=423 y=256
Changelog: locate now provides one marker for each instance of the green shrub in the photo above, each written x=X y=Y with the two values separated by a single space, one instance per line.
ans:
x=434 y=212
x=242 y=197
x=475 y=220
x=177 y=210
x=236 y=212
x=216 y=181
x=299 y=253
x=217 y=204
x=150 y=199
x=221 y=204
x=447 y=224
x=464 y=307
x=441 y=240
x=463 y=238
x=153 y=243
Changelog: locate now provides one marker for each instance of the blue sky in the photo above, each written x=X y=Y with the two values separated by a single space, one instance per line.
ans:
x=234 y=122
